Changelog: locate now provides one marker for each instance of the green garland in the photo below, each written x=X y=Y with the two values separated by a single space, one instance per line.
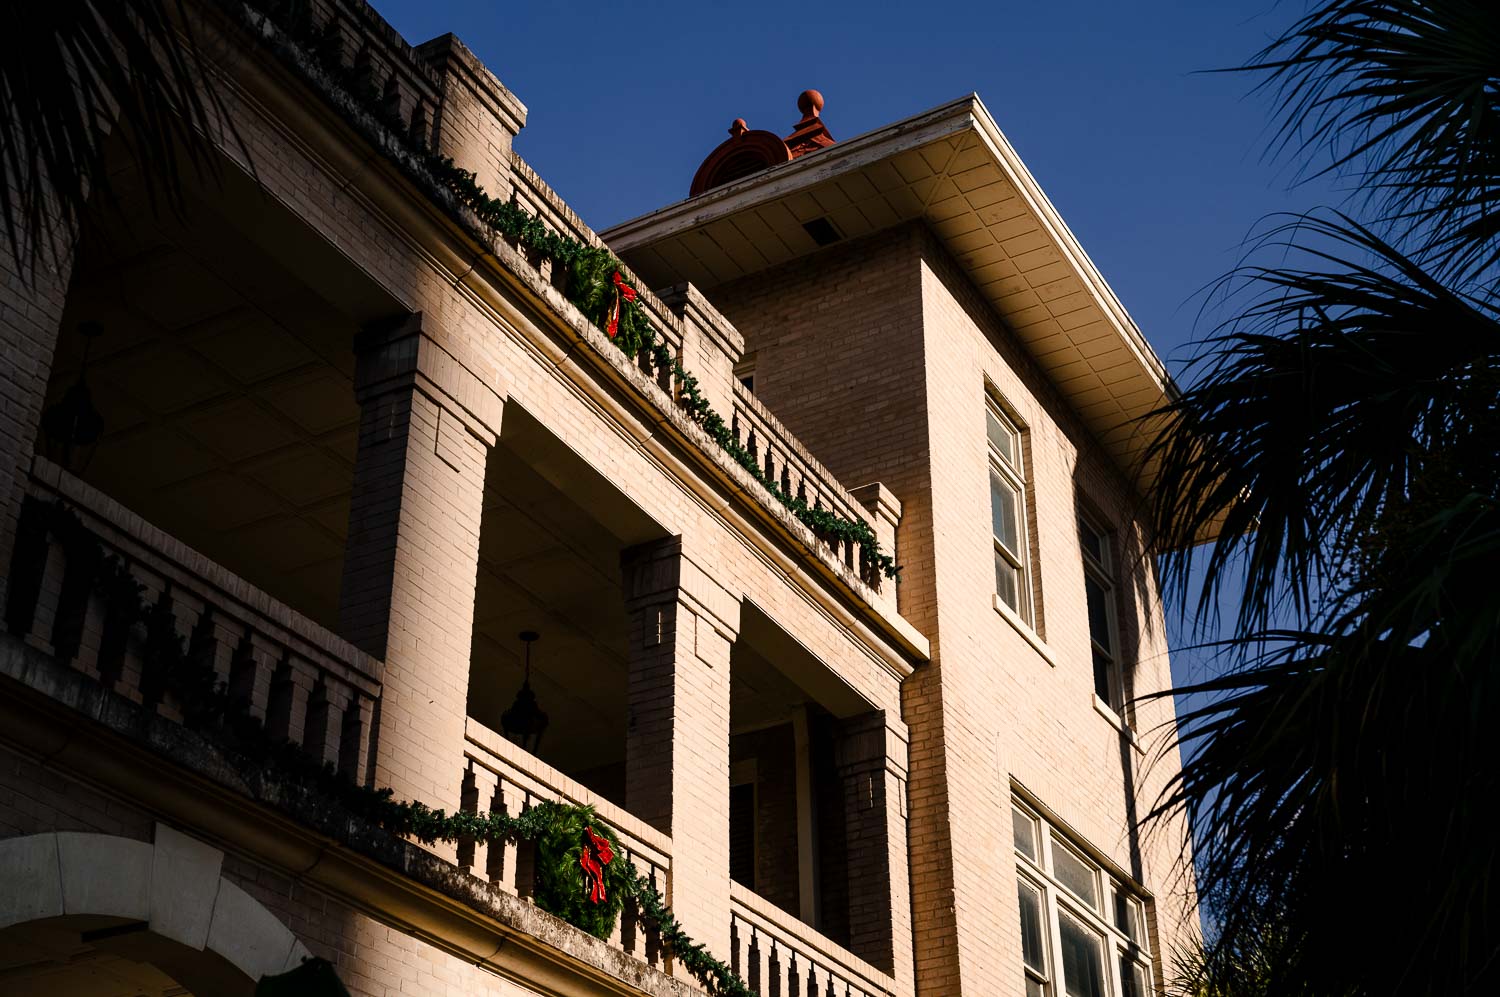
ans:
x=590 y=269
x=182 y=668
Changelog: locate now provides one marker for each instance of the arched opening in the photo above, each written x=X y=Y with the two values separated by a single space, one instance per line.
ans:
x=89 y=955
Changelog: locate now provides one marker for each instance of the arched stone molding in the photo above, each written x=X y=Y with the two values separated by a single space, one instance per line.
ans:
x=172 y=885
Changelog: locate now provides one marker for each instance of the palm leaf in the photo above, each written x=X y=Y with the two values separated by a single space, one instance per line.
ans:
x=73 y=75
x=1403 y=98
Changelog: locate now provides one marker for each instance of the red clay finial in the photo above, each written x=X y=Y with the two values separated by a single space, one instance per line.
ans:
x=810 y=103
x=738 y=128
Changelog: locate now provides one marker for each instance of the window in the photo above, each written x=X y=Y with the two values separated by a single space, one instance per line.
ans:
x=1008 y=512
x=1099 y=590
x=1083 y=930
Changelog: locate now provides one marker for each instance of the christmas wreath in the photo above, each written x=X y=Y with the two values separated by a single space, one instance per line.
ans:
x=581 y=872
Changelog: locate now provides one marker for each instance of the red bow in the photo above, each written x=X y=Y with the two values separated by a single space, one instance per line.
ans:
x=595 y=856
x=623 y=292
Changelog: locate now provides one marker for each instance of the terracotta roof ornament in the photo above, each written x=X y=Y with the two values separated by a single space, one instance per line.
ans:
x=748 y=150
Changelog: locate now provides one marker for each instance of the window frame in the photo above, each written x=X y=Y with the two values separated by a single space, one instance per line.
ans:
x=1012 y=474
x=1102 y=572
x=1119 y=951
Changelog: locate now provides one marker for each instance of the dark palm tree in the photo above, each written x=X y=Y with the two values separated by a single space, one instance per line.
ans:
x=1340 y=438
x=74 y=74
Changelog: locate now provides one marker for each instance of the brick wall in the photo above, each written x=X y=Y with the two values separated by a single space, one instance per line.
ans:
x=890 y=326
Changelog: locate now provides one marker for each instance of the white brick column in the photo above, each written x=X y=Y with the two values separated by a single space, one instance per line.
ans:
x=426 y=425
x=682 y=627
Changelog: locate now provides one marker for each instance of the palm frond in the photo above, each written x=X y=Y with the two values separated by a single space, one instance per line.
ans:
x=73 y=73
x=1332 y=389
x=1403 y=98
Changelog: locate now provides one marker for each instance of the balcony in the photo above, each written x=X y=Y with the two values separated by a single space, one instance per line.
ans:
x=222 y=502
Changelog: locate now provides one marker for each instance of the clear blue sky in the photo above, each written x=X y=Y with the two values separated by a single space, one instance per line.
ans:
x=1157 y=167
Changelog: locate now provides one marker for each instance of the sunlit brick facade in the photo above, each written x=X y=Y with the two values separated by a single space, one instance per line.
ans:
x=353 y=446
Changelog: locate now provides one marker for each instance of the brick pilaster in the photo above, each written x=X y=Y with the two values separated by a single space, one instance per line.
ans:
x=870 y=755
x=426 y=424
x=682 y=627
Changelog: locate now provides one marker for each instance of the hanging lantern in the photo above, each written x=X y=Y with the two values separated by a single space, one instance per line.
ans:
x=524 y=723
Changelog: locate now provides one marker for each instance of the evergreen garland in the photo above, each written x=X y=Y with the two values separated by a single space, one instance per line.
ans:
x=182 y=669
x=591 y=271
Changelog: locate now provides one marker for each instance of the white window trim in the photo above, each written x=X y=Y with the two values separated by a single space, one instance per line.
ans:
x=1015 y=475
x=1117 y=722
x=1058 y=898
x=1104 y=575
x=1029 y=635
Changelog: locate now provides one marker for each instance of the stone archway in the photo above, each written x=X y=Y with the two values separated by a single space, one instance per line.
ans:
x=162 y=904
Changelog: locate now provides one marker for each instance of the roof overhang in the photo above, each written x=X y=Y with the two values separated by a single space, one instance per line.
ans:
x=953 y=168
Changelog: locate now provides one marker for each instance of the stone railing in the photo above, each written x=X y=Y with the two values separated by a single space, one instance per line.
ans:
x=501 y=777
x=307 y=685
x=537 y=198
x=779 y=956
x=797 y=473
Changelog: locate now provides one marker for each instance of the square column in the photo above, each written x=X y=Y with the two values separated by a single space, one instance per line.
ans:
x=682 y=627
x=426 y=426
x=870 y=755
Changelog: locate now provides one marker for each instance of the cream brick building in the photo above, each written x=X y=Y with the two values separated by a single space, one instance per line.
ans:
x=350 y=445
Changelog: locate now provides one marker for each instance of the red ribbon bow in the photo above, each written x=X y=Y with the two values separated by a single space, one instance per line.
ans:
x=595 y=856
x=623 y=292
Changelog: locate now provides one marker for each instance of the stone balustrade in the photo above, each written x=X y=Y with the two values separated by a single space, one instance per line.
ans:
x=502 y=777
x=777 y=955
x=83 y=568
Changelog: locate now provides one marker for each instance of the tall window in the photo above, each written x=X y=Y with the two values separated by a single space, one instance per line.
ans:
x=1099 y=588
x=1008 y=512
x=1083 y=931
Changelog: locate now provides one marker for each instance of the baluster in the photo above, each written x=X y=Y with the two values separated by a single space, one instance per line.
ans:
x=354 y=740
x=756 y=973
x=325 y=715
x=735 y=962
x=49 y=583
x=734 y=425
x=753 y=445
x=525 y=862
x=28 y=564
x=468 y=802
x=775 y=970
x=486 y=793
x=136 y=602
x=770 y=467
x=162 y=648
x=416 y=128
x=82 y=556
x=250 y=673
x=654 y=954
x=503 y=857
x=794 y=977
x=630 y=918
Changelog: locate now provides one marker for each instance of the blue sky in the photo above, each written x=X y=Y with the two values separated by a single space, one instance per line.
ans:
x=1157 y=166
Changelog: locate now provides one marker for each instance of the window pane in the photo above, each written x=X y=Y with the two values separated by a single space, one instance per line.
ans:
x=1104 y=679
x=1008 y=581
x=1076 y=874
x=1126 y=916
x=1031 y=927
x=1093 y=543
x=1002 y=438
x=1083 y=960
x=1098 y=600
x=1034 y=988
x=1025 y=833
x=1133 y=979
x=1005 y=506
